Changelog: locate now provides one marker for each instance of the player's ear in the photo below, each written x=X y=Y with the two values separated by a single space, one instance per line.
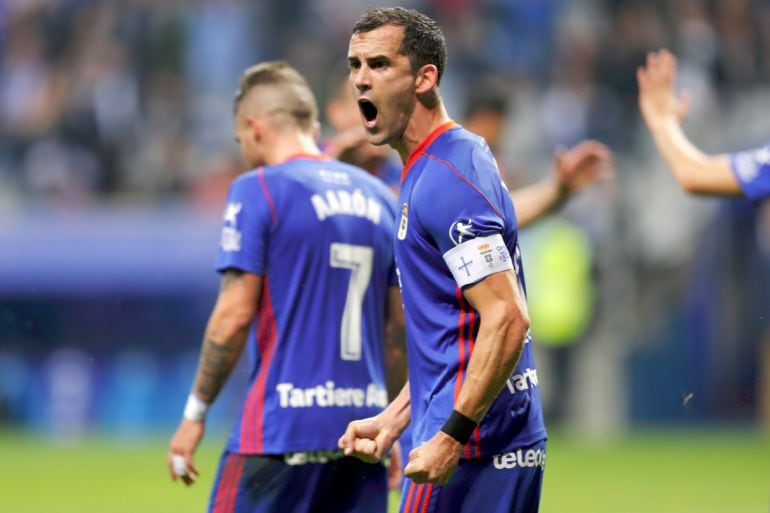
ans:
x=426 y=79
x=256 y=128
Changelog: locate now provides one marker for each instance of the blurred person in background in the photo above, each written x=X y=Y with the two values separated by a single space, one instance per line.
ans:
x=742 y=173
x=575 y=168
x=308 y=276
x=473 y=390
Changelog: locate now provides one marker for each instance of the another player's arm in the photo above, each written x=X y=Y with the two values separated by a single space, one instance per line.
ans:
x=226 y=332
x=537 y=200
x=573 y=170
x=370 y=439
x=395 y=344
x=663 y=113
x=225 y=336
x=502 y=330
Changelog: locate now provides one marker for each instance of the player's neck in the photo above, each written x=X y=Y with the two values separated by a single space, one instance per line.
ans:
x=421 y=124
x=284 y=148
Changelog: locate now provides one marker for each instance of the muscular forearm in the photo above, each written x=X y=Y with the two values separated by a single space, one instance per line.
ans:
x=497 y=350
x=536 y=200
x=395 y=345
x=398 y=413
x=226 y=333
x=695 y=171
x=216 y=363
x=395 y=363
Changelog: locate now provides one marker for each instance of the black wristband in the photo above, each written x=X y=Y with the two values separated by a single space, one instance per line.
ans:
x=459 y=427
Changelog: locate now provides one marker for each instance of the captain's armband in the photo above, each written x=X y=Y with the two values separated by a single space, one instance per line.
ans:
x=475 y=259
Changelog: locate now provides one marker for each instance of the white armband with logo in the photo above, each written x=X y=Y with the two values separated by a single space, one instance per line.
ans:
x=477 y=258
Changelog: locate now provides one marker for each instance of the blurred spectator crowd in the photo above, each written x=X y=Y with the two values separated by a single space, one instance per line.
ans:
x=130 y=99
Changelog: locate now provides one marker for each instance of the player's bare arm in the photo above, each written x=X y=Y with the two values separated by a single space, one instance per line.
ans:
x=503 y=328
x=395 y=344
x=395 y=371
x=223 y=342
x=573 y=170
x=663 y=112
x=226 y=332
x=370 y=439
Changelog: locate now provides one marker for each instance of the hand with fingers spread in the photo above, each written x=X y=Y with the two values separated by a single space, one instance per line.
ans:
x=181 y=450
x=581 y=165
x=663 y=111
x=657 y=99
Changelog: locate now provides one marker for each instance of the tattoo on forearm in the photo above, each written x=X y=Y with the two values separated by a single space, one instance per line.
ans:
x=216 y=363
x=222 y=343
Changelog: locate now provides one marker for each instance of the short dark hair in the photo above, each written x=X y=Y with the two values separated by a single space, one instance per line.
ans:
x=296 y=96
x=423 y=41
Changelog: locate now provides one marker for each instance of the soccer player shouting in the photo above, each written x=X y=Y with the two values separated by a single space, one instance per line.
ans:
x=472 y=395
x=742 y=173
x=308 y=273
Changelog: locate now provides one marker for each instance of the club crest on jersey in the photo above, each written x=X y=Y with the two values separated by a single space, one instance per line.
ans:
x=402 y=226
x=461 y=231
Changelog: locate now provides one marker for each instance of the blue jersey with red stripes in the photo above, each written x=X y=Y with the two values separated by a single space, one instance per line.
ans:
x=452 y=196
x=752 y=169
x=319 y=232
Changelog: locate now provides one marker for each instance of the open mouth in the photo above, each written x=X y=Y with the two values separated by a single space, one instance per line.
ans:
x=368 y=111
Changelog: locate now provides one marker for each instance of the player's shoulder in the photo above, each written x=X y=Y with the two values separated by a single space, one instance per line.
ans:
x=461 y=158
x=360 y=178
x=246 y=180
x=463 y=152
x=319 y=174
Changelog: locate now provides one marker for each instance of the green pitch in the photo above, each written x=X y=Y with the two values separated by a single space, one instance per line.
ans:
x=661 y=472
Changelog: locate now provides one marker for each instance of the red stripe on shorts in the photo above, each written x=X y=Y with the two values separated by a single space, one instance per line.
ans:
x=409 y=497
x=235 y=480
x=223 y=487
x=428 y=493
x=416 y=505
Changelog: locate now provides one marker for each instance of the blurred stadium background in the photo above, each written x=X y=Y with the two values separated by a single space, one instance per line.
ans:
x=651 y=309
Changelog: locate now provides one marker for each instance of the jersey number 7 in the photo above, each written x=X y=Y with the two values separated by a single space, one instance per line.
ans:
x=359 y=260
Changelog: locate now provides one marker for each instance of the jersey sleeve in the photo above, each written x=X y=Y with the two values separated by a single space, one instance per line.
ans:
x=752 y=169
x=246 y=227
x=463 y=219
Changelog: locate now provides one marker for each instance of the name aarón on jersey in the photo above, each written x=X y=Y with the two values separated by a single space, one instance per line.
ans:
x=343 y=202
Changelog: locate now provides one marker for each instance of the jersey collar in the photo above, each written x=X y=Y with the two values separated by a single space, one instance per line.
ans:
x=424 y=145
x=308 y=156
